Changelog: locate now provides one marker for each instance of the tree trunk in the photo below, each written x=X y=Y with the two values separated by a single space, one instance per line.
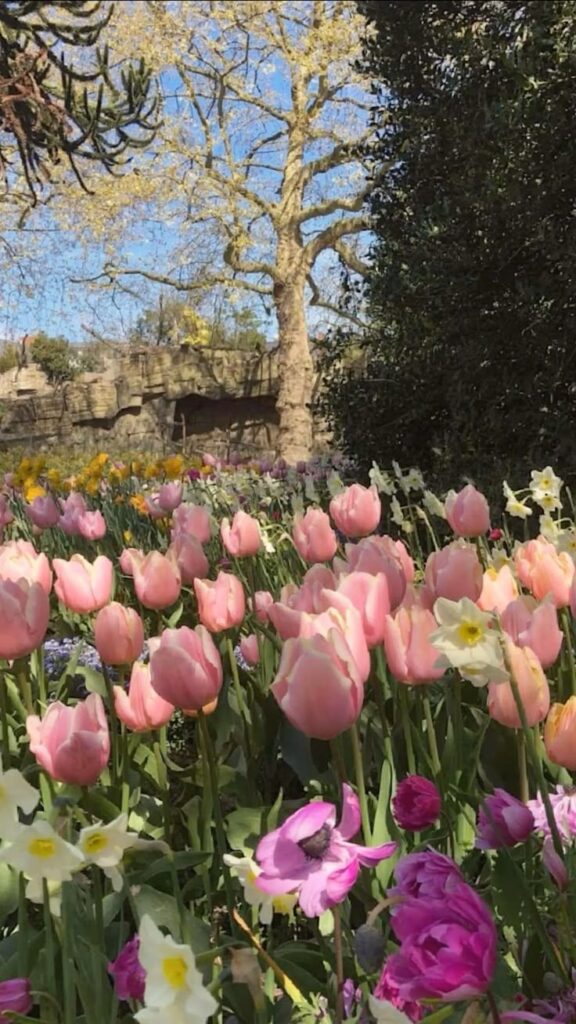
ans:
x=296 y=373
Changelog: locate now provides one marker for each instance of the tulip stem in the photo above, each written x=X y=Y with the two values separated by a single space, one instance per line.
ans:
x=432 y=742
x=211 y=780
x=522 y=766
x=406 y=726
x=494 y=1013
x=50 y=949
x=242 y=710
x=360 y=783
x=567 y=624
x=339 y=957
x=113 y=723
x=5 y=726
x=23 y=678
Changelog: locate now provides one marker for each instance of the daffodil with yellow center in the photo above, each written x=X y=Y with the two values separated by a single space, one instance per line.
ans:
x=15 y=792
x=247 y=871
x=39 y=852
x=174 y=989
x=466 y=640
x=105 y=845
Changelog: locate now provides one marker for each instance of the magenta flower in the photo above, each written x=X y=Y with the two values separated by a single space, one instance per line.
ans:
x=564 y=806
x=448 y=944
x=127 y=971
x=309 y=855
x=416 y=803
x=426 y=874
x=15 y=997
x=387 y=990
x=503 y=821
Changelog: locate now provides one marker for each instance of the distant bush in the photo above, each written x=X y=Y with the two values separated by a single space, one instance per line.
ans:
x=55 y=356
x=8 y=357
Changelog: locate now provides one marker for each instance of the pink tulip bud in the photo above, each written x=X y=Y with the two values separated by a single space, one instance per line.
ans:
x=261 y=603
x=81 y=585
x=499 y=588
x=554 y=864
x=141 y=709
x=91 y=525
x=190 y=558
x=119 y=634
x=318 y=686
x=370 y=596
x=15 y=997
x=502 y=821
x=376 y=555
x=170 y=496
x=453 y=572
x=157 y=580
x=243 y=538
x=221 y=602
x=409 y=653
x=186 y=669
x=560 y=734
x=43 y=512
x=24 y=615
x=314 y=538
x=72 y=508
x=467 y=512
x=356 y=511
x=416 y=803
x=72 y=744
x=249 y=649
x=6 y=516
x=286 y=614
x=534 y=625
x=532 y=685
x=129 y=558
x=543 y=570
x=20 y=560
x=192 y=519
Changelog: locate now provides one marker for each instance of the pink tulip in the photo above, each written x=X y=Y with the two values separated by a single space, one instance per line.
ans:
x=534 y=625
x=91 y=525
x=356 y=511
x=194 y=519
x=243 y=538
x=260 y=604
x=129 y=558
x=499 y=589
x=467 y=512
x=141 y=709
x=249 y=649
x=370 y=597
x=221 y=602
x=532 y=685
x=286 y=614
x=186 y=669
x=20 y=560
x=154 y=509
x=157 y=580
x=81 y=585
x=43 y=512
x=170 y=496
x=72 y=744
x=190 y=558
x=348 y=621
x=72 y=508
x=373 y=554
x=543 y=570
x=318 y=686
x=118 y=634
x=409 y=653
x=24 y=615
x=15 y=997
x=453 y=572
x=314 y=538
x=6 y=516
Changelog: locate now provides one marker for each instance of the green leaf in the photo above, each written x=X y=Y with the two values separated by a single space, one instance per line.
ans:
x=159 y=906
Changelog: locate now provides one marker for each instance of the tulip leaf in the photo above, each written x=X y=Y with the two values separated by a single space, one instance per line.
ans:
x=181 y=860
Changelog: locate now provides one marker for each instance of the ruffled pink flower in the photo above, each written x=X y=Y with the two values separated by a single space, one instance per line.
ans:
x=128 y=973
x=313 y=857
x=503 y=821
x=416 y=804
x=387 y=990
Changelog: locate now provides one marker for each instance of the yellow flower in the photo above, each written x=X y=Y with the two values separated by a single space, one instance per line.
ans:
x=33 y=490
x=92 y=486
x=136 y=467
x=152 y=470
x=128 y=536
x=54 y=477
x=138 y=501
x=101 y=459
x=173 y=466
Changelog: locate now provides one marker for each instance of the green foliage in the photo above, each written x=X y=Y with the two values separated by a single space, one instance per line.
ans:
x=8 y=357
x=51 y=109
x=468 y=367
x=174 y=322
x=55 y=357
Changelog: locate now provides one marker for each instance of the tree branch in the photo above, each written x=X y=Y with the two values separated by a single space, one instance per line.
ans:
x=112 y=273
x=317 y=300
x=335 y=205
x=331 y=235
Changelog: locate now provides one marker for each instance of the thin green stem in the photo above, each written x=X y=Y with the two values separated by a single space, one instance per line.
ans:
x=50 y=947
x=406 y=727
x=360 y=783
x=114 y=732
x=22 y=671
x=493 y=1008
x=567 y=624
x=5 y=725
x=522 y=766
x=431 y=733
x=67 y=961
x=211 y=779
x=339 y=958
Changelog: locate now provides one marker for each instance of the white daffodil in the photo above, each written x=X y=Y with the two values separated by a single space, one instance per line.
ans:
x=397 y=469
x=566 y=541
x=104 y=845
x=412 y=481
x=433 y=505
x=39 y=852
x=467 y=641
x=173 y=1014
x=172 y=978
x=381 y=480
x=35 y=893
x=396 y=510
x=548 y=502
x=334 y=483
x=514 y=506
x=15 y=793
x=386 y=1013
x=247 y=871
x=549 y=528
x=545 y=481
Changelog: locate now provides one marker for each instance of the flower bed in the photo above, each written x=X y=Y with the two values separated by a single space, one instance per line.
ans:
x=275 y=748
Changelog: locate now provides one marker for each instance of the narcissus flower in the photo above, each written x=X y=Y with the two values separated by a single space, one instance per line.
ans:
x=172 y=979
x=467 y=641
x=15 y=793
x=39 y=852
x=247 y=871
x=104 y=845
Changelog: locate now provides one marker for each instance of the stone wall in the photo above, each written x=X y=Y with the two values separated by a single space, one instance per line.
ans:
x=149 y=399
